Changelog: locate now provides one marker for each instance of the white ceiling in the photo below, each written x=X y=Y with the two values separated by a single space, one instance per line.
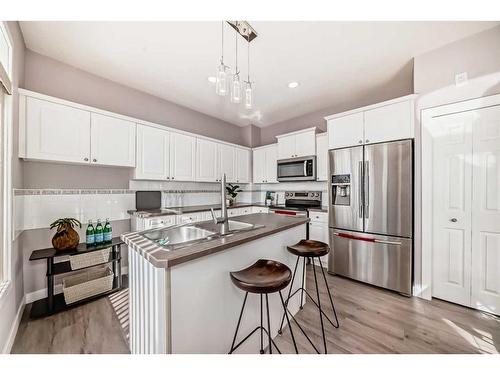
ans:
x=172 y=60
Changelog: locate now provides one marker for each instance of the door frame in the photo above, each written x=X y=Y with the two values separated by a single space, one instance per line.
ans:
x=426 y=175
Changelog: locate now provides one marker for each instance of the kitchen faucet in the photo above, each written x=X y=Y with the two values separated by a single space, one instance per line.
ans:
x=223 y=219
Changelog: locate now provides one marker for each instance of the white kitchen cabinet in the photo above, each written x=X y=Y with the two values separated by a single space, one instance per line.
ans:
x=271 y=168
x=226 y=162
x=297 y=144
x=206 y=160
x=265 y=164
x=242 y=165
x=382 y=122
x=153 y=153
x=112 y=141
x=56 y=132
x=322 y=157
x=346 y=131
x=389 y=123
x=182 y=157
x=318 y=230
x=260 y=210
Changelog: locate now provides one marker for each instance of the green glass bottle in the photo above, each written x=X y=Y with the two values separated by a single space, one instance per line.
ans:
x=90 y=235
x=98 y=233
x=107 y=232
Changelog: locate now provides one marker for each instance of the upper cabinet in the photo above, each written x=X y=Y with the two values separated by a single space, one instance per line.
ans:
x=297 y=144
x=382 y=122
x=55 y=132
x=153 y=153
x=264 y=164
x=242 y=165
x=112 y=141
x=322 y=157
x=226 y=162
x=182 y=157
x=206 y=160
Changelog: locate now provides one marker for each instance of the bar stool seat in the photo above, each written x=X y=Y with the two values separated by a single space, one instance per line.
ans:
x=309 y=248
x=262 y=277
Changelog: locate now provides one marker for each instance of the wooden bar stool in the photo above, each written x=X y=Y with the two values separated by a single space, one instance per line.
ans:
x=263 y=277
x=310 y=249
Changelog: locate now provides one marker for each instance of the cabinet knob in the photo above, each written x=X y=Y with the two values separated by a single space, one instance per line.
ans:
x=173 y=178
x=367 y=141
x=86 y=159
x=168 y=178
x=94 y=160
x=453 y=220
x=360 y=141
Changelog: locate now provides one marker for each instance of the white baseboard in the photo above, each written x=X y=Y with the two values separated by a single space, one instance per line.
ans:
x=15 y=326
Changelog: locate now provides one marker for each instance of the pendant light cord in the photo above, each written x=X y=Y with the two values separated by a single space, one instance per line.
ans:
x=222 y=34
x=248 y=58
x=236 y=63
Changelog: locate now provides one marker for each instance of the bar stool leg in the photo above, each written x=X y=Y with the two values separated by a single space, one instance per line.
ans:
x=319 y=305
x=261 y=328
x=303 y=279
x=330 y=296
x=288 y=322
x=289 y=293
x=269 y=326
x=239 y=321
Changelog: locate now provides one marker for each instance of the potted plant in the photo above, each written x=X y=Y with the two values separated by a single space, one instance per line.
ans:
x=232 y=191
x=66 y=237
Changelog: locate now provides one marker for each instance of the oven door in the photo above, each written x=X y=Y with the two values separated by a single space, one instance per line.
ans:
x=297 y=169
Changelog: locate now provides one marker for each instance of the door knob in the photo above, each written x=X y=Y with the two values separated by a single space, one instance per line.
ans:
x=453 y=220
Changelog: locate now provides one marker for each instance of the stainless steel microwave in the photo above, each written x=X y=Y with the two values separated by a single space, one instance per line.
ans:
x=297 y=169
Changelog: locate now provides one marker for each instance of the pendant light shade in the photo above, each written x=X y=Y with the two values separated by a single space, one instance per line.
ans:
x=248 y=95
x=221 y=80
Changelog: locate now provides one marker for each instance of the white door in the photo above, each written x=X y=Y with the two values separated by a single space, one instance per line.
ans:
x=242 y=169
x=452 y=194
x=206 y=160
x=259 y=165
x=226 y=162
x=486 y=210
x=153 y=153
x=182 y=157
x=389 y=123
x=57 y=132
x=271 y=174
x=112 y=141
x=286 y=147
x=346 y=131
x=322 y=157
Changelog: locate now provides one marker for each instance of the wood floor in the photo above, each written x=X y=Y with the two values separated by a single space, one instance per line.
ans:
x=372 y=320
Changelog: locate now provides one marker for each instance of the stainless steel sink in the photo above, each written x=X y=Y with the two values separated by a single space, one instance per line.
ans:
x=178 y=235
x=239 y=225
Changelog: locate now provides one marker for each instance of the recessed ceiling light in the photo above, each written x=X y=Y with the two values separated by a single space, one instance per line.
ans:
x=293 y=85
x=212 y=79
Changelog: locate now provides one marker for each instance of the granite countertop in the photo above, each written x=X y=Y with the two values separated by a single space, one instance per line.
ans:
x=165 y=258
x=188 y=209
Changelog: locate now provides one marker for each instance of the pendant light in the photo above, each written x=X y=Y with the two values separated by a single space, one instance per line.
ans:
x=236 y=83
x=222 y=71
x=248 y=83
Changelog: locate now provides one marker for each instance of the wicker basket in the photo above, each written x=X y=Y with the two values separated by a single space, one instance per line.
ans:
x=87 y=284
x=89 y=259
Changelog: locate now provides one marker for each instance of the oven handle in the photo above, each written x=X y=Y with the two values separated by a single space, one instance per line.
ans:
x=367 y=239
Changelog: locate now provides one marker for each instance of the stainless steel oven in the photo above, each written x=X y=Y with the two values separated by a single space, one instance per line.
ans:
x=297 y=169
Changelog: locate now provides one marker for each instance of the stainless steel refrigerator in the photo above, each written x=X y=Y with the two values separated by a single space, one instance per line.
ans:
x=371 y=214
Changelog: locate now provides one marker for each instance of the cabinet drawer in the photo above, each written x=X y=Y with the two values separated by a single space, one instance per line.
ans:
x=319 y=217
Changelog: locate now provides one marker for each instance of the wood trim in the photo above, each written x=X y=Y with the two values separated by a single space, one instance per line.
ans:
x=68 y=103
x=372 y=106
x=427 y=115
x=314 y=128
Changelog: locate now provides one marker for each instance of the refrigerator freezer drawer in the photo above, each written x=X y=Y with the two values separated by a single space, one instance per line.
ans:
x=379 y=260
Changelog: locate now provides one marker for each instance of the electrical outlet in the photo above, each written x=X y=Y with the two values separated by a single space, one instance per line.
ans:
x=460 y=79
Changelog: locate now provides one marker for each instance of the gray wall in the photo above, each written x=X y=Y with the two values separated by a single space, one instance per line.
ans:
x=399 y=85
x=478 y=55
x=14 y=296
x=51 y=77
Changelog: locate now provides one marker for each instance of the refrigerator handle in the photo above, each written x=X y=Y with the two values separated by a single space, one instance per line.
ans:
x=367 y=189
x=360 y=188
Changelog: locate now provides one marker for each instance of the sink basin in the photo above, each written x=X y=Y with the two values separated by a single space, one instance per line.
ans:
x=178 y=235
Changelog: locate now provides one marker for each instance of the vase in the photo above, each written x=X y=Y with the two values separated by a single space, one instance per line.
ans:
x=65 y=239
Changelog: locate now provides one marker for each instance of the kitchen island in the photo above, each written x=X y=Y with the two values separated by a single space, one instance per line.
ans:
x=183 y=301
